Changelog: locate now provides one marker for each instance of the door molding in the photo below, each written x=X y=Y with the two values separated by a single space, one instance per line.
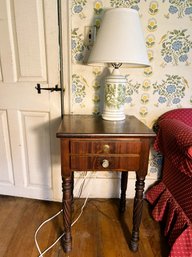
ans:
x=66 y=53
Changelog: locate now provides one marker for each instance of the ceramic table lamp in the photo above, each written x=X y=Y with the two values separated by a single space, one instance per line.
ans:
x=119 y=42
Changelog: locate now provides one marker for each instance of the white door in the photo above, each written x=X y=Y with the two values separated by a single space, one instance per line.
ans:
x=29 y=54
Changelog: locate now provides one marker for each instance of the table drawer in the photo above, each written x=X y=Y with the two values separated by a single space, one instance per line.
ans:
x=105 y=147
x=125 y=163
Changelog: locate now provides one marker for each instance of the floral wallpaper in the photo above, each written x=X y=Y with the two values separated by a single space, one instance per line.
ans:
x=165 y=85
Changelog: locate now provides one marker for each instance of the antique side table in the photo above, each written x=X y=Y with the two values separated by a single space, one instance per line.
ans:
x=89 y=143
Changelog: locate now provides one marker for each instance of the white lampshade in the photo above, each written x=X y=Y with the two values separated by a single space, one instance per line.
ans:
x=120 y=40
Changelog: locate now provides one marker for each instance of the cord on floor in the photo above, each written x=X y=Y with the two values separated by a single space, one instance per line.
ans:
x=58 y=213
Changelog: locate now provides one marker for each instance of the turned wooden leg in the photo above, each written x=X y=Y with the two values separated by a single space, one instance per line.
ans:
x=137 y=213
x=122 y=206
x=72 y=188
x=67 y=202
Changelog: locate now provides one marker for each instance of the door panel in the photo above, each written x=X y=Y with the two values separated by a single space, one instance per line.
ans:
x=6 y=174
x=37 y=152
x=29 y=43
x=8 y=60
x=29 y=54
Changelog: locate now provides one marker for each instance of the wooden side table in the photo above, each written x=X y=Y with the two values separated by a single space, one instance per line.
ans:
x=93 y=144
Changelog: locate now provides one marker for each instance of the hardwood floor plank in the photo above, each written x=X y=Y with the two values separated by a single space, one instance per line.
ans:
x=22 y=239
x=83 y=234
x=100 y=231
x=9 y=217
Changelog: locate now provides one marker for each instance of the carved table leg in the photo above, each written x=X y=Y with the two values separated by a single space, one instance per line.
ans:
x=137 y=213
x=124 y=176
x=67 y=201
x=72 y=188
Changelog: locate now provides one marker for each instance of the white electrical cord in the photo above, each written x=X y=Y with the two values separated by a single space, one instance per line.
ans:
x=82 y=208
x=42 y=224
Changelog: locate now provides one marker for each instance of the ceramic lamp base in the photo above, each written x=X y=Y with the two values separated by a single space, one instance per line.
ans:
x=112 y=115
x=115 y=94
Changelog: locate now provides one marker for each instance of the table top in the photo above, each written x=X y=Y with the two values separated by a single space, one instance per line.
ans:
x=90 y=125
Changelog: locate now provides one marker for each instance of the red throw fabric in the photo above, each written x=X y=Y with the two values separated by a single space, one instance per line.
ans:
x=178 y=227
x=183 y=245
x=172 y=196
x=190 y=151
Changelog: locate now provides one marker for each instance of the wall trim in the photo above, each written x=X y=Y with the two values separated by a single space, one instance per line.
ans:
x=66 y=51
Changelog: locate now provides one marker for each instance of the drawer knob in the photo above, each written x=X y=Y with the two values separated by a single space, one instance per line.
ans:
x=105 y=163
x=106 y=148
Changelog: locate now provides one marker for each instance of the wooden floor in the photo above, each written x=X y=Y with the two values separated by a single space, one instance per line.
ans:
x=100 y=232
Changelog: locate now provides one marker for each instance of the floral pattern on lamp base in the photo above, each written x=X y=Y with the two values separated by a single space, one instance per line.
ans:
x=115 y=95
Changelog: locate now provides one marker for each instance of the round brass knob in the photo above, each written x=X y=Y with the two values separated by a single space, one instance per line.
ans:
x=105 y=163
x=106 y=148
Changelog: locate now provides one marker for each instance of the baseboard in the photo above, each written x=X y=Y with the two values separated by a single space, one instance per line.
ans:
x=101 y=187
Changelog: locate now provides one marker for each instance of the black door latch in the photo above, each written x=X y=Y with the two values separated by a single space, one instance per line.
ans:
x=52 y=89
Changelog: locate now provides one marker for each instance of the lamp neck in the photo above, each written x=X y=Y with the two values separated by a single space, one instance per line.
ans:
x=115 y=72
x=116 y=67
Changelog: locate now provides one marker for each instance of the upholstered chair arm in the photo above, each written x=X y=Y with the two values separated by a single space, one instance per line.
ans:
x=174 y=141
